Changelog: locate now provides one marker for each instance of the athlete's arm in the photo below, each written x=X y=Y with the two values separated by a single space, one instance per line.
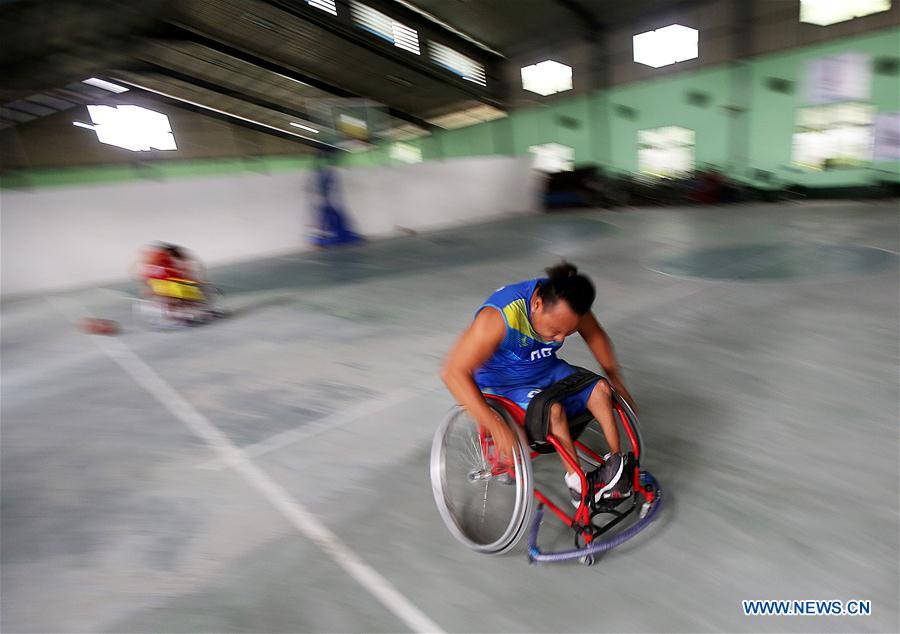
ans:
x=475 y=346
x=601 y=347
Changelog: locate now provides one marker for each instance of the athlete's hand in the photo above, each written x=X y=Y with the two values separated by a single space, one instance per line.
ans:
x=504 y=438
x=619 y=387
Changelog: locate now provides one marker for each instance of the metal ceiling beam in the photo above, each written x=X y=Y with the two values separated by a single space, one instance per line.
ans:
x=585 y=17
x=181 y=33
x=35 y=32
x=27 y=107
x=636 y=11
x=430 y=27
x=348 y=31
x=232 y=119
x=449 y=27
x=218 y=89
x=594 y=35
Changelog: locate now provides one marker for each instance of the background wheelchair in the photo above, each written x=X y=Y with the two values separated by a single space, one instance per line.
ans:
x=175 y=302
x=488 y=505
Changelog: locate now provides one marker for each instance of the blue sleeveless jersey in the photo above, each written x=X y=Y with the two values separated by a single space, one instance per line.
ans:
x=522 y=358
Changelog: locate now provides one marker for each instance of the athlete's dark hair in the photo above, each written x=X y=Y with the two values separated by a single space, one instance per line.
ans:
x=564 y=282
x=175 y=251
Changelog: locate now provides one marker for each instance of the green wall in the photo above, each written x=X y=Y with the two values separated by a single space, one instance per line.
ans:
x=664 y=102
x=762 y=141
x=738 y=142
x=772 y=114
x=158 y=170
x=549 y=125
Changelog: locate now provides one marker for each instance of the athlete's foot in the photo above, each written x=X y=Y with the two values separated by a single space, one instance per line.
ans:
x=608 y=482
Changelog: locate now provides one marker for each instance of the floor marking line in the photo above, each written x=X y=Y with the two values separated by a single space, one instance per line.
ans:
x=305 y=522
x=328 y=423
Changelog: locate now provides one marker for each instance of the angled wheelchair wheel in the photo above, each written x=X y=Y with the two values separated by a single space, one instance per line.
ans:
x=485 y=505
x=154 y=313
x=150 y=313
x=626 y=417
x=212 y=305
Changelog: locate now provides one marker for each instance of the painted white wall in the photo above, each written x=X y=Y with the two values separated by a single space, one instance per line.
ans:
x=65 y=237
x=439 y=193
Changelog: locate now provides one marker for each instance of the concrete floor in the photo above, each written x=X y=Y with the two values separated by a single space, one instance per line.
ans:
x=767 y=382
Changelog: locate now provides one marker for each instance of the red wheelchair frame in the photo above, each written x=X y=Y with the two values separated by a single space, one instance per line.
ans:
x=176 y=301
x=644 y=488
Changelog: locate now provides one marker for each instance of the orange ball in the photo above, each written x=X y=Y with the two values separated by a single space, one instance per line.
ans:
x=95 y=326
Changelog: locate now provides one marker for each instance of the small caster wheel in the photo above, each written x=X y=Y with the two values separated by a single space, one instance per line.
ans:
x=645 y=508
x=581 y=542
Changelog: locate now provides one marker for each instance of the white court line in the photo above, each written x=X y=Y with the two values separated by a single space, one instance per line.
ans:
x=868 y=246
x=117 y=294
x=305 y=522
x=329 y=423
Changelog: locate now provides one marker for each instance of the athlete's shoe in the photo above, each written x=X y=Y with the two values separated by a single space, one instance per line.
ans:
x=611 y=481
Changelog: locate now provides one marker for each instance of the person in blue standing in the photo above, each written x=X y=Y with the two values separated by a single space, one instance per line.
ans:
x=510 y=350
x=334 y=225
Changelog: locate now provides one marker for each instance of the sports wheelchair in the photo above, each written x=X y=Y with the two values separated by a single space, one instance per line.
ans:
x=175 y=302
x=488 y=504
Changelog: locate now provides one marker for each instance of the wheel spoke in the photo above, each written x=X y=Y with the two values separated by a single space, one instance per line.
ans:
x=477 y=452
x=474 y=450
x=484 y=504
x=486 y=518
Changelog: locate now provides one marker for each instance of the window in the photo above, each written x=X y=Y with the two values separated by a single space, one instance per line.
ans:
x=834 y=129
x=385 y=27
x=324 y=5
x=406 y=153
x=825 y=12
x=131 y=127
x=457 y=63
x=668 y=45
x=834 y=135
x=547 y=77
x=666 y=152
x=553 y=157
